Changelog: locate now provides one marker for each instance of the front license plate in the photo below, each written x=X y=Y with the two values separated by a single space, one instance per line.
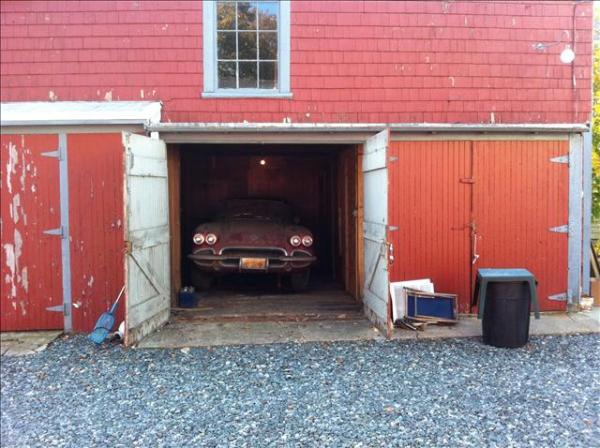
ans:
x=253 y=263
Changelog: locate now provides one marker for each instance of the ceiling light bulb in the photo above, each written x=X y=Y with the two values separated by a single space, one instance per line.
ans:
x=263 y=162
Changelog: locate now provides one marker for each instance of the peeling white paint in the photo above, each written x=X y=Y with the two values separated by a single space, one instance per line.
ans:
x=25 y=279
x=52 y=96
x=90 y=282
x=13 y=159
x=23 y=170
x=14 y=305
x=492 y=118
x=9 y=253
x=14 y=208
x=451 y=78
x=32 y=188
x=18 y=249
x=108 y=96
x=142 y=93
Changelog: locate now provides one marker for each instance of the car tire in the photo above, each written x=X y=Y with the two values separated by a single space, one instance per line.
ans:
x=201 y=280
x=299 y=280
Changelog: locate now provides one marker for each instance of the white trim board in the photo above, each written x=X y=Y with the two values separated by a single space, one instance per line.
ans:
x=47 y=113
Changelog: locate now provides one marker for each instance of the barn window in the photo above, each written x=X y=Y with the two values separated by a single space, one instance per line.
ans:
x=246 y=48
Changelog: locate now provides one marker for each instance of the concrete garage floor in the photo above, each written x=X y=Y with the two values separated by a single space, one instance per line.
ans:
x=263 y=315
x=26 y=342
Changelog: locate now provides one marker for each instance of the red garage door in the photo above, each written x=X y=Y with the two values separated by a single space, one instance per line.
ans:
x=519 y=195
x=456 y=206
x=31 y=260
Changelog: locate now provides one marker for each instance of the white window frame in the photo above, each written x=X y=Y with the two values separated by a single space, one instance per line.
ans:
x=209 y=44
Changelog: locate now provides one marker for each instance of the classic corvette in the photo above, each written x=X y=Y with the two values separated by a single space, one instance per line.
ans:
x=252 y=236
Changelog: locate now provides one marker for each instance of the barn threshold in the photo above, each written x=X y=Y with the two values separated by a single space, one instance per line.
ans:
x=180 y=334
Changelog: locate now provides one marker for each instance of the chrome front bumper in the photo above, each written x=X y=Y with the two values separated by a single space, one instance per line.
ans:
x=229 y=260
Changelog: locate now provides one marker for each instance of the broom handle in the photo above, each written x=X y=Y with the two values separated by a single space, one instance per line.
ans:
x=114 y=307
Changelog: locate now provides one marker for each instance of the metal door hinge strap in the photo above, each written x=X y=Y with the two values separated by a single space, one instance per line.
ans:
x=55 y=154
x=560 y=229
x=559 y=297
x=58 y=231
x=560 y=159
x=467 y=180
x=59 y=309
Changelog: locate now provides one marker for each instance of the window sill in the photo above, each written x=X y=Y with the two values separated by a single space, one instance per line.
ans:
x=242 y=94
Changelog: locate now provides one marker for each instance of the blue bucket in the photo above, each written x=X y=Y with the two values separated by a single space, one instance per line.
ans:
x=188 y=299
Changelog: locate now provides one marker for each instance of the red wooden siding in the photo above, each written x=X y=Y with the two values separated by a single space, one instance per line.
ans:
x=509 y=191
x=351 y=61
x=431 y=208
x=518 y=195
x=96 y=225
x=31 y=261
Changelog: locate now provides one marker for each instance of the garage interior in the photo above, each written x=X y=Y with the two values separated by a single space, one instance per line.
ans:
x=322 y=183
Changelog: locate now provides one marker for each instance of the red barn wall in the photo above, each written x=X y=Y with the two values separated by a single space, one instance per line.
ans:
x=351 y=61
x=96 y=226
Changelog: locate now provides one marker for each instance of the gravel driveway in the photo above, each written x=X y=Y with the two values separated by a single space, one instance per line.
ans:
x=444 y=393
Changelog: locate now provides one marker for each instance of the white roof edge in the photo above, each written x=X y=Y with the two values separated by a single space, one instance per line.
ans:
x=46 y=113
x=363 y=127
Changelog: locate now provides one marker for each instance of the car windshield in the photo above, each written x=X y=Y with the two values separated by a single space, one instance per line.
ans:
x=267 y=210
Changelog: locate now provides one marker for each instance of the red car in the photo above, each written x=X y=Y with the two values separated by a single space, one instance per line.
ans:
x=252 y=236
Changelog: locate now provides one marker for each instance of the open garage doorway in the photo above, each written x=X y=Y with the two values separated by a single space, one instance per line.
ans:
x=320 y=185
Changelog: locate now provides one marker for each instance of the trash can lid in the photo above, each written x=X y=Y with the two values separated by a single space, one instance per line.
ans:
x=486 y=275
x=504 y=274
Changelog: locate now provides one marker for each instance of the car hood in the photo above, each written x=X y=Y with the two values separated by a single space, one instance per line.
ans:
x=252 y=232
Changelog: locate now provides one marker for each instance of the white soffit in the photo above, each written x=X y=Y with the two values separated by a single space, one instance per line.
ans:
x=45 y=113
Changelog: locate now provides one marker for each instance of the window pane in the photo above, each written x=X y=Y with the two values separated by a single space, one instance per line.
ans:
x=267 y=15
x=227 y=75
x=226 y=45
x=268 y=45
x=225 y=15
x=247 y=45
x=268 y=75
x=246 y=15
x=248 y=75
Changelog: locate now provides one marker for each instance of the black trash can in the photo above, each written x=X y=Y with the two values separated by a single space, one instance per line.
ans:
x=506 y=314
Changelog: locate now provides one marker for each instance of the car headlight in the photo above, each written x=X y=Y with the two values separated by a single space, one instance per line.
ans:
x=211 y=239
x=307 y=241
x=295 y=241
x=198 y=238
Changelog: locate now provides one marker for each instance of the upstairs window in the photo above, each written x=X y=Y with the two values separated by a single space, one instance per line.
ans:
x=246 y=48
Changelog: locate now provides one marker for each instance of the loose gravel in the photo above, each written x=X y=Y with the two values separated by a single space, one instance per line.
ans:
x=444 y=393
